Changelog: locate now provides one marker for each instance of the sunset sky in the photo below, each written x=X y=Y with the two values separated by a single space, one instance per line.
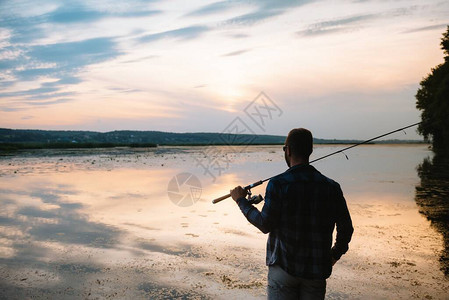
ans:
x=344 y=69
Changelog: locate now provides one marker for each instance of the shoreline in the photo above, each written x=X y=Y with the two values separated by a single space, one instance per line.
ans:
x=10 y=147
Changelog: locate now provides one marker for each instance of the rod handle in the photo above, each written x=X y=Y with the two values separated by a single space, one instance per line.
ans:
x=221 y=198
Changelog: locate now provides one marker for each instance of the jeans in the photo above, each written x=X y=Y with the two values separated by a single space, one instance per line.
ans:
x=282 y=285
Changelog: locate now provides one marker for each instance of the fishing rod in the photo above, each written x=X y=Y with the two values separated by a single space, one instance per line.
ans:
x=257 y=199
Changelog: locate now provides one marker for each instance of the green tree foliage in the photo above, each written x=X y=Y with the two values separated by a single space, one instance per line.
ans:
x=433 y=100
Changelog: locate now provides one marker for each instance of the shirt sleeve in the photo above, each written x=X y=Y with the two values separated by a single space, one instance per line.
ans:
x=266 y=219
x=344 y=227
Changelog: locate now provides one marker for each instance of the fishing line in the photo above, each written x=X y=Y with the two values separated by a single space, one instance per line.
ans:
x=250 y=186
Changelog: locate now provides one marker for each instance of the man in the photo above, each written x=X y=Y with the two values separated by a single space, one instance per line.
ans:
x=301 y=209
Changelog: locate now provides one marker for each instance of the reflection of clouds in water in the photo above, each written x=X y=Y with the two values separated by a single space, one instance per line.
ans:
x=42 y=233
x=32 y=237
x=63 y=224
x=74 y=228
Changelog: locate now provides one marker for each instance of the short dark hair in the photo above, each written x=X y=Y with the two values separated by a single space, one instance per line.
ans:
x=300 y=142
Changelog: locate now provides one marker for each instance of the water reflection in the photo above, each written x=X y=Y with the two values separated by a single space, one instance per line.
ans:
x=34 y=227
x=432 y=196
x=102 y=226
x=70 y=232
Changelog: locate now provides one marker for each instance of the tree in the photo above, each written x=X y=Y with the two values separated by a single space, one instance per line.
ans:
x=433 y=100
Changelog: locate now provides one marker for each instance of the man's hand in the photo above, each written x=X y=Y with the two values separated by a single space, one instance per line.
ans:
x=238 y=192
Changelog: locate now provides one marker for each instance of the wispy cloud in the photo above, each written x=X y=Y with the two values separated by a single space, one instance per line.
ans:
x=65 y=80
x=49 y=102
x=217 y=7
x=253 y=18
x=124 y=90
x=77 y=13
x=333 y=26
x=31 y=47
x=8 y=108
x=263 y=9
x=29 y=92
x=235 y=53
x=239 y=35
x=23 y=30
x=59 y=60
x=64 y=61
x=46 y=96
x=72 y=14
x=427 y=28
x=35 y=97
x=76 y=54
x=184 y=33
x=27 y=27
x=140 y=59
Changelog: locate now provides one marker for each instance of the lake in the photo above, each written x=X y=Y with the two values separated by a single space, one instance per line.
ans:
x=139 y=223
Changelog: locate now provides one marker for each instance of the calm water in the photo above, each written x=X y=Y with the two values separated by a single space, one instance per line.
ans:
x=90 y=223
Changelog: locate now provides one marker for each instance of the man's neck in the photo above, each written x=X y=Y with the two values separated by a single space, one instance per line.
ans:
x=298 y=161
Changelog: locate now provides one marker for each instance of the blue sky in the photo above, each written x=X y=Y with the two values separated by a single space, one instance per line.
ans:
x=344 y=69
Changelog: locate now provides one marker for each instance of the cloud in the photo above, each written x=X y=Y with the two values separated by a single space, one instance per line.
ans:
x=45 y=96
x=36 y=97
x=124 y=90
x=5 y=84
x=140 y=59
x=253 y=18
x=64 y=80
x=60 y=60
x=22 y=29
x=51 y=102
x=27 y=24
x=427 y=28
x=65 y=59
x=239 y=36
x=23 y=57
x=351 y=23
x=184 y=33
x=36 y=91
x=33 y=73
x=216 y=7
x=78 y=13
x=235 y=53
x=72 y=13
x=263 y=9
x=333 y=26
x=76 y=54
x=10 y=109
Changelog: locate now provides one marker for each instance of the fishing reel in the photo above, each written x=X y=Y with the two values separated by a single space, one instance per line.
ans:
x=254 y=199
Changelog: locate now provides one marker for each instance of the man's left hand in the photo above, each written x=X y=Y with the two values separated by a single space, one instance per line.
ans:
x=238 y=192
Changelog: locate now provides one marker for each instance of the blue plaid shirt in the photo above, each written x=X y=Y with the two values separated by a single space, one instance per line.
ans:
x=301 y=209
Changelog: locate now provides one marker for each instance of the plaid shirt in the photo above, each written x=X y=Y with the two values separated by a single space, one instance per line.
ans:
x=301 y=209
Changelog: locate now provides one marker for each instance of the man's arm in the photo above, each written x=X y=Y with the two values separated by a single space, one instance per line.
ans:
x=265 y=219
x=344 y=228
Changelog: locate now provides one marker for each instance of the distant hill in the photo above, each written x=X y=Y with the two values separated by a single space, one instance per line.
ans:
x=30 y=138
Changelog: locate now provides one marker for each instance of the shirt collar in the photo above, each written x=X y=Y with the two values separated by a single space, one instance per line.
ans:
x=300 y=166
